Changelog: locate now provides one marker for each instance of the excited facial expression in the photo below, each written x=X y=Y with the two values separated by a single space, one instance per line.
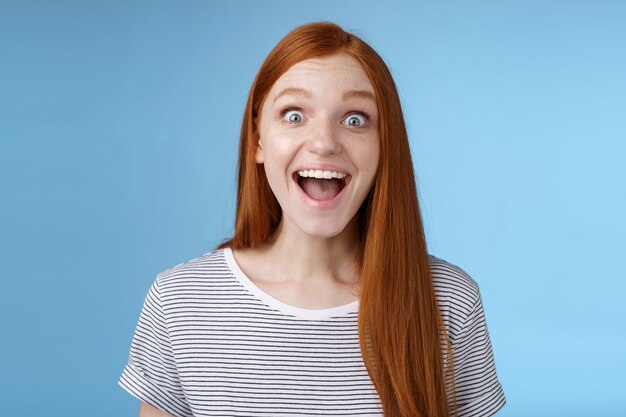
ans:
x=319 y=142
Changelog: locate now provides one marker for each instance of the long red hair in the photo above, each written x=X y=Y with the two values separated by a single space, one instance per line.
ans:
x=400 y=328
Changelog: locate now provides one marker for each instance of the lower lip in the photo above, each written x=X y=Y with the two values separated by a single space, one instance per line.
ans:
x=323 y=204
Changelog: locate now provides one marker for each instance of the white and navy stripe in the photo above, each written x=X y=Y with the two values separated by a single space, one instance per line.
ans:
x=209 y=342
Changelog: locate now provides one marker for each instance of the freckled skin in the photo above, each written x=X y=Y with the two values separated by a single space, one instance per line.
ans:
x=325 y=132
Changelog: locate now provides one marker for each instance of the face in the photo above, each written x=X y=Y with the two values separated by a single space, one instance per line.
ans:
x=319 y=143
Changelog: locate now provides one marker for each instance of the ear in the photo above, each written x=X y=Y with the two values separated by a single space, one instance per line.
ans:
x=258 y=153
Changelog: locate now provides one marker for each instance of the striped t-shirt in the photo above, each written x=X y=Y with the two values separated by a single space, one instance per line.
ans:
x=209 y=342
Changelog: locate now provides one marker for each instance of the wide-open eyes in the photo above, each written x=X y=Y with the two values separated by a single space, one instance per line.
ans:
x=355 y=120
x=292 y=116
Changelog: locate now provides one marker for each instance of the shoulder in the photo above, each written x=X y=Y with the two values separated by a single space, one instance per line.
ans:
x=192 y=273
x=457 y=293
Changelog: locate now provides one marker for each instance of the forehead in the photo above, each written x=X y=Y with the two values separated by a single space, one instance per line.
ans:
x=310 y=73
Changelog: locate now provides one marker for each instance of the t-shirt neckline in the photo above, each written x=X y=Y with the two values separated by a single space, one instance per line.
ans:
x=304 y=313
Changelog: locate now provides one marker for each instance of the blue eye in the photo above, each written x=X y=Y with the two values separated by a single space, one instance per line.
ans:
x=293 y=116
x=355 y=120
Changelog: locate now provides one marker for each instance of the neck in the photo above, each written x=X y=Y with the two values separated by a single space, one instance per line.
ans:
x=299 y=257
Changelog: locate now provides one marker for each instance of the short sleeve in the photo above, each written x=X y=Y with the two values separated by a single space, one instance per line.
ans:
x=478 y=391
x=151 y=374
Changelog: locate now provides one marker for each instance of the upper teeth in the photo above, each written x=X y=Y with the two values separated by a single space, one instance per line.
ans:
x=318 y=173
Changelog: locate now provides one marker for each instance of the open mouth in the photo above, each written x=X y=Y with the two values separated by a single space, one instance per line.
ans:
x=321 y=185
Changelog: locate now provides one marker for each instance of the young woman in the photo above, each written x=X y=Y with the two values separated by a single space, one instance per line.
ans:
x=325 y=301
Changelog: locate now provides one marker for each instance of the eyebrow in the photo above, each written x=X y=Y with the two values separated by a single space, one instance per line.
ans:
x=307 y=94
x=359 y=94
x=294 y=92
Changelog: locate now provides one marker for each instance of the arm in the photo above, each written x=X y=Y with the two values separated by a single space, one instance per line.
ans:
x=146 y=410
x=151 y=373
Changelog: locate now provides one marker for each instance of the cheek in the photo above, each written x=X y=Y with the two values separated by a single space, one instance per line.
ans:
x=368 y=157
x=278 y=147
x=276 y=159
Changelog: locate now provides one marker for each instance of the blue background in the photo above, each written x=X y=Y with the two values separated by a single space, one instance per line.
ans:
x=119 y=128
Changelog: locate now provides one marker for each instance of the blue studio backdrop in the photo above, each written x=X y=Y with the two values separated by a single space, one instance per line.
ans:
x=119 y=126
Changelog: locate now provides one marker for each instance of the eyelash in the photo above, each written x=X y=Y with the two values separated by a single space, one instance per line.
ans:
x=360 y=113
x=284 y=112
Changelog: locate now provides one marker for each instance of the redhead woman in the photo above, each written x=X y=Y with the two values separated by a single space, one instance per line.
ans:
x=325 y=302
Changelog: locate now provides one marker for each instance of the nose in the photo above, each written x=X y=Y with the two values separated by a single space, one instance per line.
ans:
x=324 y=139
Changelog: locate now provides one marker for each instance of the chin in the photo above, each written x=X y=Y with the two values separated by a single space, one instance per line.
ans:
x=323 y=229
